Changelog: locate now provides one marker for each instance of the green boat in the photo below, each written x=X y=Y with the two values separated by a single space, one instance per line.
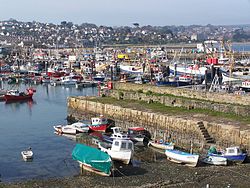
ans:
x=92 y=159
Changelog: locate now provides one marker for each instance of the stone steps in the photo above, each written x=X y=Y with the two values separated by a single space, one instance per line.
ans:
x=205 y=133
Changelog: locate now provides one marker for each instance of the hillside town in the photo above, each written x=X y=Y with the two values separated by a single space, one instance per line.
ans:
x=70 y=35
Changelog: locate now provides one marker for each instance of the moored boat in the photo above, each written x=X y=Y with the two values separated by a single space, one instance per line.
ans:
x=233 y=154
x=161 y=145
x=215 y=160
x=74 y=128
x=98 y=124
x=92 y=159
x=64 y=129
x=188 y=70
x=121 y=150
x=80 y=127
x=68 y=80
x=27 y=154
x=15 y=95
x=116 y=134
x=139 y=134
x=181 y=157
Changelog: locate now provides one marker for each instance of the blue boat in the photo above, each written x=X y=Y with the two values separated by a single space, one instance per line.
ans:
x=234 y=154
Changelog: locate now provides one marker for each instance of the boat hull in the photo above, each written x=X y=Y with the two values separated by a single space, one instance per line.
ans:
x=91 y=169
x=122 y=155
x=173 y=84
x=161 y=146
x=92 y=159
x=17 y=98
x=64 y=130
x=235 y=158
x=214 y=160
x=101 y=128
x=27 y=155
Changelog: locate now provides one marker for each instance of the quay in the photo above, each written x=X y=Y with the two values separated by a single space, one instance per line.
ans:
x=201 y=129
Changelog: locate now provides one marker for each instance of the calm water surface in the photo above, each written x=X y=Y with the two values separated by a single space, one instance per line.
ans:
x=241 y=47
x=29 y=124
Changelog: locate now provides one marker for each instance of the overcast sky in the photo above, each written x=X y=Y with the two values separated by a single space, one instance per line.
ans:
x=126 y=12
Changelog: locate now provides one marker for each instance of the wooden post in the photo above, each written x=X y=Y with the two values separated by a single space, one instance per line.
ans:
x=191 y=149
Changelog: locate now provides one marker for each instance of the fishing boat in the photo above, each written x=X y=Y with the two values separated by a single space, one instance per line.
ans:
x=192 y=70
x=161 y=144
x=100 y=77
x=92 y=159
x=116 y=134
x=181 y=157
x=215 y=160
x=132 y=69
x=139 y=135
x=234 y=154
x=15 y=95
x=27 y=154
x=68 y=80
x=120 y=150
x=98 y=124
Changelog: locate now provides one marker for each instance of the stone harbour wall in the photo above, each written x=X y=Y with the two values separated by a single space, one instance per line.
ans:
x=183 y=102
x=182 y=130
x=185 y=92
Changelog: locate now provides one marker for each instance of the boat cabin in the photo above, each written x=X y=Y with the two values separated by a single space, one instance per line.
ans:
x=139 y=131
x=122 y=145
x=99 y=121
x=118 y=134
x=233 y=151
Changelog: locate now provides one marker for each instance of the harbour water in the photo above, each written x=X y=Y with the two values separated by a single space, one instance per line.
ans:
x=30 y=124
x=241 y=47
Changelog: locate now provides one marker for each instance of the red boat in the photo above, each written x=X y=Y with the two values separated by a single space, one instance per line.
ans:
x=99 y=124
x=15 y=95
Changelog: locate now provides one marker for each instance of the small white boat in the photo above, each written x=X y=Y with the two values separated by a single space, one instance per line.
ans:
x=139 y=134
x=161 y=145
x=80 y=127
x=28 y=154
x=66 y=129
x=181 y=157
x=120 y=150
x=215 y=160
x=117 y=134
x=68 y=80
x=74 y=128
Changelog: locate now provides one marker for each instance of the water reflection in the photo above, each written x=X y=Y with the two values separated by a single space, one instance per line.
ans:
x=68 y=136
x=17 y=105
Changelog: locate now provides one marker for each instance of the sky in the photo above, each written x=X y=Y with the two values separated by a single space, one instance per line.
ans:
x=127 y=12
